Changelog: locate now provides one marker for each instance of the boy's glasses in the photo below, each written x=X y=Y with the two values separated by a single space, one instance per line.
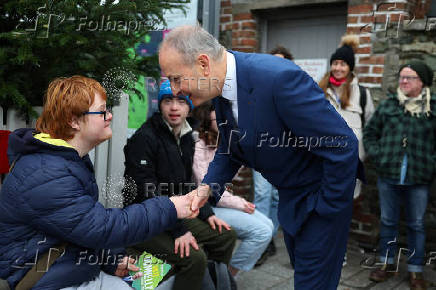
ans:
x=104 y=113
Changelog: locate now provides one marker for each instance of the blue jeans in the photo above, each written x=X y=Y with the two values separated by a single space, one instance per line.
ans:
x=266 y=199
x=254 y=231
x=414 y=197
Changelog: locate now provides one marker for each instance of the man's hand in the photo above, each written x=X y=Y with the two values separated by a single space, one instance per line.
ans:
x=183 y=206
x=183 y=244
x=200 y=197
x=249 y=207
x=127 y=264
x=214 y=222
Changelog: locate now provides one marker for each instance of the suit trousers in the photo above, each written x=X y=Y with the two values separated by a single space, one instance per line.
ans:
x=317 y=250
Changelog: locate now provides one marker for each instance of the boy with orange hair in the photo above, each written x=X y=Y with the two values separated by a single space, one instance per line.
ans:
x=50 y=198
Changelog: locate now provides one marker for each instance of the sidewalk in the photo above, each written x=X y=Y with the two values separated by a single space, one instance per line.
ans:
x=276 y=274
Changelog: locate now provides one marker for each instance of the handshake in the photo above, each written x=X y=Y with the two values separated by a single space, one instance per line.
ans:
x=188 y=206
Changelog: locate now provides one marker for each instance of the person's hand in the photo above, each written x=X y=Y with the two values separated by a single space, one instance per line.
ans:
x=182 y=244
x=183 y=205
x=127 y=264
x=248 y=207
x=214 y=222
x=200 y=197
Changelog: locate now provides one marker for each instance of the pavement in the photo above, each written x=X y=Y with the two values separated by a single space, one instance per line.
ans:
x=277 y=274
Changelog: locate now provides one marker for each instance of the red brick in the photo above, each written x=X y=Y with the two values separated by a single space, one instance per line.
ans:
x=244 y=49
x=383 y=6
x=377 y=70
x=364 y=50
x=396 y=17
x=358 y=30
x=360 y=9
x=226 y=11
x=352 y=19
x=235 y=25
x=243 y=16
x=364 y=39
x=235 y=42
x=367 y=19
x=380 y=59
x=362 y=69
x=246 y=33
x=248 y=25
x=380 y=18
x=224 y=19
x=229 y=27
x=368 y=60
x=249 y=42
x=235 y=34
x=373 y=80
x=226 y=3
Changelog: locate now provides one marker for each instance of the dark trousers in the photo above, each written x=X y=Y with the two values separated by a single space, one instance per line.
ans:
x=190 y=270
x=317 y=251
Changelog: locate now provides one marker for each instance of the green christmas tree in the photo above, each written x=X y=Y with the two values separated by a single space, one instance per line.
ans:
x=41 y=40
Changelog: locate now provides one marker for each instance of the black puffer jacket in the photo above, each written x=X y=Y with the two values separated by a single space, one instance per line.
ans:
x=156 y=165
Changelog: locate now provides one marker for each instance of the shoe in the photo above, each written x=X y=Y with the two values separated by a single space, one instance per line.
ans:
x=417 y=282
x=272 y=250
x=383 y=273
x=262 y=259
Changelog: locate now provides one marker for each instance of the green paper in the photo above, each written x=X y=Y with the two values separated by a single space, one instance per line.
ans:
x=153 y=270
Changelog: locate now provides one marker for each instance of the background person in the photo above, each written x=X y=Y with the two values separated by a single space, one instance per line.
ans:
x=341 y=88
x=159 y=159
x=400 y=139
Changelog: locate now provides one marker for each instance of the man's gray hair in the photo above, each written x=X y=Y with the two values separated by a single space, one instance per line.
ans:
x=190 y=41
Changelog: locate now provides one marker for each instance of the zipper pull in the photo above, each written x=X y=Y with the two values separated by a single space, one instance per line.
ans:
x=405 y=142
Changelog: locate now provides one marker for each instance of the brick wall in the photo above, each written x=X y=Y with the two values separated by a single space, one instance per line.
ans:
x=238 y=31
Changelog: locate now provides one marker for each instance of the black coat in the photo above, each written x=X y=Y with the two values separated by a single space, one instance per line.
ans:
x=156 y=165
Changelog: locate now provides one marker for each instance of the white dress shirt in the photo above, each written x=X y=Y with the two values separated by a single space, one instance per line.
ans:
x=230 y=88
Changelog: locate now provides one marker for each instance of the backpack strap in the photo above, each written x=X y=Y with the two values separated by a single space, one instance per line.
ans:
x=41 y=267
x=4 y=285
x=362 y=101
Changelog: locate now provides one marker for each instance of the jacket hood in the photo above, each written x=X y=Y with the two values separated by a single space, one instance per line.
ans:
x=28 y=141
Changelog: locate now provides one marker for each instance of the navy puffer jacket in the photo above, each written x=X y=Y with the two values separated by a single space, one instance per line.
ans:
x=50 y=197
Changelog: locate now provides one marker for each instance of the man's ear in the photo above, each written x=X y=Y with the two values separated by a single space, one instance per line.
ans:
x=204 y=62
x=74 y=123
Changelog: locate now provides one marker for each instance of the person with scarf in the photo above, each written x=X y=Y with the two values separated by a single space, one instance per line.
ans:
x=342 y=89
x=400 y=139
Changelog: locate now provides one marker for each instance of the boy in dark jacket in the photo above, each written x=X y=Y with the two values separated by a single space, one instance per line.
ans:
x=159 y=159
x=50 y=198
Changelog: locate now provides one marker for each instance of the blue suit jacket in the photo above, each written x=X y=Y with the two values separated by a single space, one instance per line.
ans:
x=290 y=133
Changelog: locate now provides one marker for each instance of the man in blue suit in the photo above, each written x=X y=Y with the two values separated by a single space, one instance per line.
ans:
x=274 y=118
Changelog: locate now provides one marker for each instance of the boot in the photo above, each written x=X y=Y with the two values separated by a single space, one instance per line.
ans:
x=383 y=273
x=417 y=281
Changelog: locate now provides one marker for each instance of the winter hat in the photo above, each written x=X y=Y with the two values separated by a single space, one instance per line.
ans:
x=423 y=71
x=345 y=52
x=165 y=92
